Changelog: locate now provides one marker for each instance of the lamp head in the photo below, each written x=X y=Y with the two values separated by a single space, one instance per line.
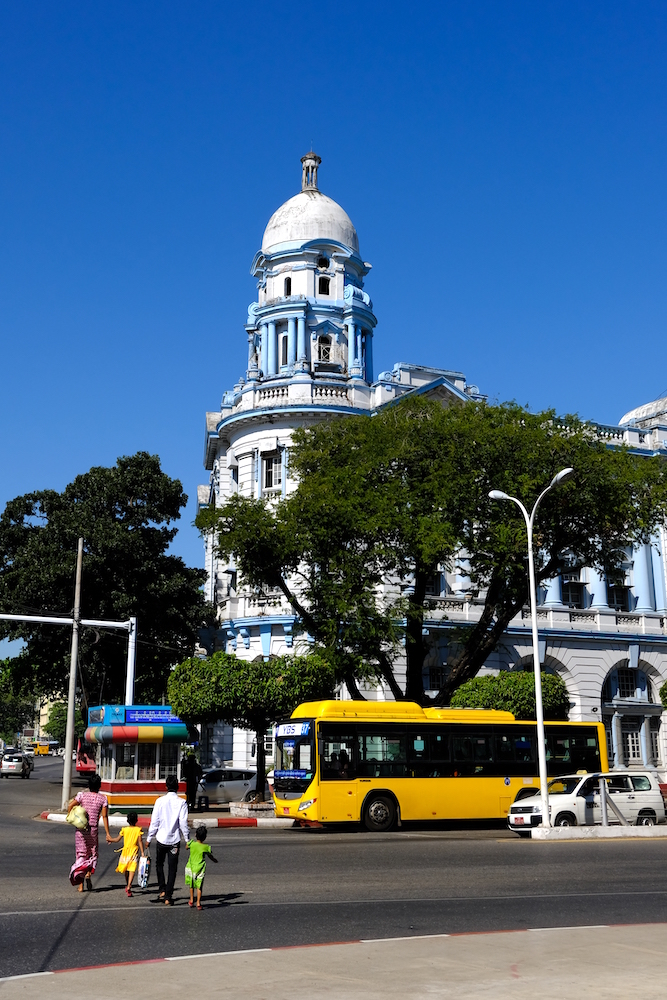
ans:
x=562 y=476
x=499 y=495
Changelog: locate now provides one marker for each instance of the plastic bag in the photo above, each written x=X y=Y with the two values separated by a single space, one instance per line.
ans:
x=78 y=817
x=143 y=871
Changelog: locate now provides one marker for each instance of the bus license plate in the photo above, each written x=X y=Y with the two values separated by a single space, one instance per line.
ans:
x=518 y=819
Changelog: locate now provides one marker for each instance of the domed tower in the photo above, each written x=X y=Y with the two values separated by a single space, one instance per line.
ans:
x=312 y=317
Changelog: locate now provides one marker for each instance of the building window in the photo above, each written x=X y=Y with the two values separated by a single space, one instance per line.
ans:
x=324 y=349
x=272 y=473
x=618 y=591
x=168 y=760
x=234 y=473
x=146 y=762
x=627 y=682
x=322 y=286
x=323 y=263
x=283 y=351
x=434 y=585
x=632 y=746
x=436 y=677
x=572 y=589
x=288 y=286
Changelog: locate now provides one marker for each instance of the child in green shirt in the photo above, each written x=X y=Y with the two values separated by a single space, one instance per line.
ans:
x=195 y=869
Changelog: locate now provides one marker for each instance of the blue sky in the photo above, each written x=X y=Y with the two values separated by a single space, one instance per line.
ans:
x=504 y=164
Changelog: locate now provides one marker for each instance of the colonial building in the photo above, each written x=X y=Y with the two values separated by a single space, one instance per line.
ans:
x=310 y=355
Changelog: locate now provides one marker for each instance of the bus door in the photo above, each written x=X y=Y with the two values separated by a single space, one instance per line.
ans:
x=338 y=785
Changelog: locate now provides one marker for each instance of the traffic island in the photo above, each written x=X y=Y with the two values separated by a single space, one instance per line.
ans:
x=211 y=822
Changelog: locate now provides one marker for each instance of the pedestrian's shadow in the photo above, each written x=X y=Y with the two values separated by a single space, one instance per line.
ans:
x=226 y=899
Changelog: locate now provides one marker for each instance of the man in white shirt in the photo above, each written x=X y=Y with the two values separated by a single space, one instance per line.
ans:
x=169 y=822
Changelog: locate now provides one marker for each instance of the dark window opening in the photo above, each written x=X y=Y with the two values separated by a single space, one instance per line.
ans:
x=618 y=597
x=322 y=262
x=322 y=286
x=573 y=593
x=283 y=355
x=288 y=286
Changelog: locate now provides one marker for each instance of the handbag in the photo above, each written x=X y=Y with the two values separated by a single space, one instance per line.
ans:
x=78 y=817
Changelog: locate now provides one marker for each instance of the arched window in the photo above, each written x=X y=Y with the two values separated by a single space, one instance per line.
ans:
x=288 y=286
x=322 y=286
x=324 y=349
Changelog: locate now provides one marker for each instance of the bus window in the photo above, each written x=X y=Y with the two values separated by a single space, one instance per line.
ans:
x=383 y=755
x=337 y=750
x=571 y=750
x=472 y=754
x=523 y=747
x=504 y=749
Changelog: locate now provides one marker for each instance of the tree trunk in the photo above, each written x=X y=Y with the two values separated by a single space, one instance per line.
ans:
x=261 y=763
x=415 y=647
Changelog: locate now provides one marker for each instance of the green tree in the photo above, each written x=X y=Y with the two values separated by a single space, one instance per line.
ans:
x=125 y=515
x=16 y=709
x=249 y=695
x=515 y=692
x=56 y=725
x=393 y=498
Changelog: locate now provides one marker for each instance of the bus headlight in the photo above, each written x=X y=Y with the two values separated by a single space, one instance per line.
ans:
x=307 y=804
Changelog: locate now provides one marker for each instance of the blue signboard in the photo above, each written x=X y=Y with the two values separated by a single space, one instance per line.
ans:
x=150 y=716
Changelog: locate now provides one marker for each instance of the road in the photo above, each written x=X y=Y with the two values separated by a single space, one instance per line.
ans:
x=291 y=887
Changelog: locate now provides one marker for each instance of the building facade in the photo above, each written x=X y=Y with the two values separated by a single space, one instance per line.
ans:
x=310 y=355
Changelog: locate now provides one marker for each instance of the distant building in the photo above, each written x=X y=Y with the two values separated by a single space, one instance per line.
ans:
x=310 y=354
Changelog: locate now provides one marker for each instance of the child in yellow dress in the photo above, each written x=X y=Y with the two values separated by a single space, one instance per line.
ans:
x=129 y=854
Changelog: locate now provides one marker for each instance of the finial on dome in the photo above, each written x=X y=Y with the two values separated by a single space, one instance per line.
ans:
x=310 y=162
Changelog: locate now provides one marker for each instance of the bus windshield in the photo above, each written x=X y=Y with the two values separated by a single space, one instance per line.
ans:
x=294 y=756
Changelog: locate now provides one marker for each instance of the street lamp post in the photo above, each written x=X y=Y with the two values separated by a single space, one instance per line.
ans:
x=539 y=713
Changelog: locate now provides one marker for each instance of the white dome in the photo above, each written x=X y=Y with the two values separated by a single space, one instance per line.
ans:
x=310 y=215
x=646 y=413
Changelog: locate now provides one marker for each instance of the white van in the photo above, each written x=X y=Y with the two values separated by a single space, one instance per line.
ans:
x=574 y=800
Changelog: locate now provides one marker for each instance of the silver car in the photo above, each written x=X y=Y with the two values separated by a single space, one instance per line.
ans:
x=223 y=784
x=15 y=765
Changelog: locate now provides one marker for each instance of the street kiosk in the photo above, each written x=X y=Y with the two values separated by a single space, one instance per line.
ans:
x=137 y=748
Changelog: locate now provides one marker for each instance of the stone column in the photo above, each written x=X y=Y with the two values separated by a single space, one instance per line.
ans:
x=598 y=590
x=645 y=740
x=263 y=349
x=351 y=345
x=658 y=565
x=369 y=356
x=301 y=339
x=291 y=340
x=617 y=740
x=643 y=583
x=553 y=598
x=272 y=363
x=359 y=346
x=251 y=349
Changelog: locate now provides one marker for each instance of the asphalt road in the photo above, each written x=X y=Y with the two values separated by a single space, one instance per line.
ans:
x=298 y=887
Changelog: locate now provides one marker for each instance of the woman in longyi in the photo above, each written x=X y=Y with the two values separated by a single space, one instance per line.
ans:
x=129 y=854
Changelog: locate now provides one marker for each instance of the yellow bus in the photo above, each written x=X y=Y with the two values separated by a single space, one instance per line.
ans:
x=383 y=762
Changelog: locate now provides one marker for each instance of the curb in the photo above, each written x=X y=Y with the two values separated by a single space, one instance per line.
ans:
x=219 y=822
x=597 y=832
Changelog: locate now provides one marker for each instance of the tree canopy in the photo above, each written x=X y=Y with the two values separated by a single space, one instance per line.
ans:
x=249 y=695
x=514 y=692
x=125 y=514
x=56 y=725
x=16 y=709
x=383 y=502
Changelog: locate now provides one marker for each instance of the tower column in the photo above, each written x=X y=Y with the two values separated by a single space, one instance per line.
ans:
x=263 y=349
x=642 y=579
x=359 y=346
x=291 y=340
x=273 y=349
x=301 y=338
x=351 y=345
x=369 y=356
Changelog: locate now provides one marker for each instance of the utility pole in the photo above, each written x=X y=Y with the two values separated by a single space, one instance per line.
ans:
x=71 y=697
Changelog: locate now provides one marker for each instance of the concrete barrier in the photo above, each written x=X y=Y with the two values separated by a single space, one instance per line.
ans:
x=221 y=822
x=597 y=832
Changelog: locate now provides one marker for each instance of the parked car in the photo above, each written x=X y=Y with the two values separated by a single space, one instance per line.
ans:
x=222 y=784
x=574 y=800
x=15 y=765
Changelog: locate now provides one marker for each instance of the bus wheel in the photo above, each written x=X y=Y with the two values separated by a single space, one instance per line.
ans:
x=565 y=819
x=380 y=814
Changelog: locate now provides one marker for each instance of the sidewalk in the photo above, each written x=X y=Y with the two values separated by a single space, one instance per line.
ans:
x=599 y=962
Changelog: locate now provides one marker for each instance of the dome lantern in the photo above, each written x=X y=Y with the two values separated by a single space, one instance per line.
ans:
x=309 y=163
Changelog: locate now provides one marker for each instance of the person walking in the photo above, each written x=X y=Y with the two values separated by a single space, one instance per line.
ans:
x=86 y=841
x=195 y=867
x=131 y=835
x=169 y=822
x=192 y=772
